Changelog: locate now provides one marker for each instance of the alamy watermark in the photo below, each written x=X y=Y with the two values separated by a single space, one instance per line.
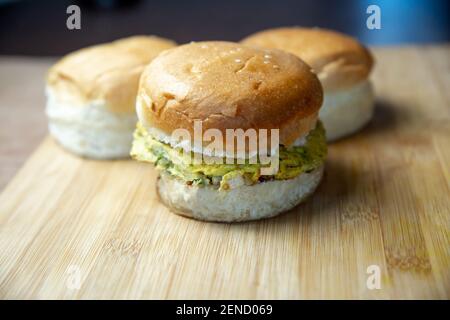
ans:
x=73 y=280
x=73 y=21
x=239 y=146
x=374 y=279
x=373 y=22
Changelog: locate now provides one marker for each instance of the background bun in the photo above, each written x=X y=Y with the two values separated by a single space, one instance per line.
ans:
x=339 y=60
x=229 y=85
x=346 y=111
x=108 y=72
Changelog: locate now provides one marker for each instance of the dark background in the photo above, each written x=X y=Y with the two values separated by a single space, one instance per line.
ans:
x=39 y=27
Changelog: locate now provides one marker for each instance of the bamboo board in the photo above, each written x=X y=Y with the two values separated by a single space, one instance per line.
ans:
x=384 y=201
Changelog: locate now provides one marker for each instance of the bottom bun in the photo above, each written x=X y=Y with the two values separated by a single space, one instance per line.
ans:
x=346 y=111
x=92 y=131
x=244 y=203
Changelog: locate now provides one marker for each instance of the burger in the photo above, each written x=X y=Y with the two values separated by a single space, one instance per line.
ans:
x=343 y=66
x=224 y=87
x=91 y=95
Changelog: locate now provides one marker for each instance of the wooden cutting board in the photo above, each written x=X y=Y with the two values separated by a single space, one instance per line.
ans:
x=74 y=228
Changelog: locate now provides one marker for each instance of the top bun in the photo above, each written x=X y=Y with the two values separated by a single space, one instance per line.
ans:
x=108 y=72
x=227 y=85
x=339 y=60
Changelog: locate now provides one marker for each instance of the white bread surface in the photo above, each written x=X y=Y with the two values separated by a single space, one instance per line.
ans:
x=244 y=203
x=92 y=130
x=346 y=111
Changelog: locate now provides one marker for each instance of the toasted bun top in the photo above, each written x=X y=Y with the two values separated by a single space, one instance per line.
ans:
x=108 y=72
x=339 y=60
x=227 y=85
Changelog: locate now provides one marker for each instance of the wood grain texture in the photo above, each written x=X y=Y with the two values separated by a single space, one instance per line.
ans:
x=384 y=201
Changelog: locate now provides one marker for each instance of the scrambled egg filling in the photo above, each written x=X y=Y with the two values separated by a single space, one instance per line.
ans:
x=293 y=161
